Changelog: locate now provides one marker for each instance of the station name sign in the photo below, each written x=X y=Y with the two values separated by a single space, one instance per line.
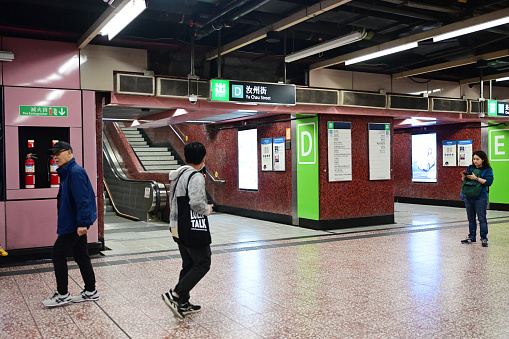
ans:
x=252 y=92
x=498 y=108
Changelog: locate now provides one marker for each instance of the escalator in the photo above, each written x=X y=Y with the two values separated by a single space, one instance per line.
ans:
x=132 y=199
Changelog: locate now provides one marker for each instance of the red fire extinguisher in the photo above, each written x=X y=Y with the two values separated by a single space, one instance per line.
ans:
x=54 y=179
x=30 y=171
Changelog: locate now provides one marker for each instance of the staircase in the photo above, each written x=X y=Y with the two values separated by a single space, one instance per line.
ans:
x=153 y=159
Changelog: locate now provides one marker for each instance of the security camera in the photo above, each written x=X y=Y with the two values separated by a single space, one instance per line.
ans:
x=481 y=115
x=193 y=98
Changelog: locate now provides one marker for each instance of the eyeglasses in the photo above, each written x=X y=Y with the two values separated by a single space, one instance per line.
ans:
x=58 y=152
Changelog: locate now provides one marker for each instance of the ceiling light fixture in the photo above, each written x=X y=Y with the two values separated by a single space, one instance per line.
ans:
x=6 y=56
x=503 y=79
x=334 y=43
x=123 y=17
x=382 y=53
x=471 y=29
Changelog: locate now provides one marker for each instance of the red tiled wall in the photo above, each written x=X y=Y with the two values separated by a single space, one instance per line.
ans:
x=359 y=197
x=448 y=178
x=275 y=188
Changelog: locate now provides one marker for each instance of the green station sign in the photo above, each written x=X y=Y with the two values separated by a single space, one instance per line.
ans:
x=43 y=111
x=252 y=92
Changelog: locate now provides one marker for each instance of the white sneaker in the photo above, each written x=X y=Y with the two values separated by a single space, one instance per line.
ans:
x=85 y=296
x=57 y=300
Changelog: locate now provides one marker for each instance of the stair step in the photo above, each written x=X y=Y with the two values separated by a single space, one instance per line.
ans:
x=138 y=143
x=134 y=138
x=159 y=162
x=129 y=128
x=153 y=168
x=152 y=149
x=158 y=158
x=109 y=208
x=152 y=154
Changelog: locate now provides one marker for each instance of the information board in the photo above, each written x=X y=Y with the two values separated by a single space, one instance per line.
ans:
x=464 y=152
x=340 y=150
x=379 y=151
x=278 y=145
x=449 y=154
x=266 y=152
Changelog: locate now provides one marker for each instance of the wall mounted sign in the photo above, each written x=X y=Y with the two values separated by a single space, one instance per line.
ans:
x=252 y=92
x=449 y=155
x=503 y=109
x=43 y=111
x=278 y=145
x=379 y=151
x=464 y=152
x=266 y=154
x=499 y=160
x=339 y=139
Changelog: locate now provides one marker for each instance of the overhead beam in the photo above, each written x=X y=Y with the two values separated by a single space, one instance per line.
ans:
x=278 y=26
x=413 y=38
x=451 y=64
x=484 y=78
x=96 y=27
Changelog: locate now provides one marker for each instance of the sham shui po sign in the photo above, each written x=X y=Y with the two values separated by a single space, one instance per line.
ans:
x=252 y=92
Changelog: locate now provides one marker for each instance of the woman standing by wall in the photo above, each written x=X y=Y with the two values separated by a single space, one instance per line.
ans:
x=481 y=172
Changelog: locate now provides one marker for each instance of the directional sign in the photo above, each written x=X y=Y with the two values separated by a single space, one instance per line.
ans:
x=43 y=111
x=252 y=92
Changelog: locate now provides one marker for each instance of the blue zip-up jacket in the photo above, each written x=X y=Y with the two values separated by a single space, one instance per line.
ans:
x=76 y=199
x=486 y=173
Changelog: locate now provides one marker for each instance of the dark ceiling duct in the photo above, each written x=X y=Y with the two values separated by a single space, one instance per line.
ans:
x=229 y=19
x=229 y=7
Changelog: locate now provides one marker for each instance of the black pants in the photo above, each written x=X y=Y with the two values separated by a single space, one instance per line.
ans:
x=78 y=245
x=195 y=264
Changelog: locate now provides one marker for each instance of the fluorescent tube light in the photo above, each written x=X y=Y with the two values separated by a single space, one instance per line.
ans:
x=381 y=53
x=503 y=79
x=6 y=56
x=334 y=43
x=471 y=29
x=121 y=19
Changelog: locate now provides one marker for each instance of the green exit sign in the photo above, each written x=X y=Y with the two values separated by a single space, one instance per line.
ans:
x=220 y=90
x=492 y=107
x=43 y=111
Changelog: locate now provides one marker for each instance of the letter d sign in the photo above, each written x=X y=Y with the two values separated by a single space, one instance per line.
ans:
x=306 y=143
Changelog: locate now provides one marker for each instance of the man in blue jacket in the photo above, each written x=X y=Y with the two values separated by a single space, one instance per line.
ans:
x=77 y=211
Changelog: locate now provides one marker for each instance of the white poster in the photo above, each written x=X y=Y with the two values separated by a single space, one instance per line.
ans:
x=449 y=153
x=248 y=159
x=464 y=152
x=279 y=153
x=340 y=150
x=379 y=151
x=267 y=154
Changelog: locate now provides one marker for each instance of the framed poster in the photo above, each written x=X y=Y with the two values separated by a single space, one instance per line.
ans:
x=278 y=145
x=248 y=159
x=464 y=152
x=424 y=149
x=339 y=136
x=449 y=153
x=266 y=151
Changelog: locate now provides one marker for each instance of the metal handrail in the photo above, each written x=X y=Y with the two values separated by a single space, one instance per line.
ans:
x=183 y=142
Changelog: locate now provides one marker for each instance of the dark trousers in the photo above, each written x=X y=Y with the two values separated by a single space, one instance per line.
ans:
x=78 y=245
x=476 y=206
x=195 y=264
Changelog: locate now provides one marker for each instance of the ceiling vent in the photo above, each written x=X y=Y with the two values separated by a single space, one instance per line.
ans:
x=408 y=103
x=134 y=84
x=306 y=96
x=178 y=88
x=362 y=99
x=449 y=105
x=474 y=106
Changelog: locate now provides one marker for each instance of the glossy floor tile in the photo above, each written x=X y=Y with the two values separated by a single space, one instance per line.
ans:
x=413 y=279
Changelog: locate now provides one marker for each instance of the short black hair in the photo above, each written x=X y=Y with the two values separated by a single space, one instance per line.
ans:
x=194 y=153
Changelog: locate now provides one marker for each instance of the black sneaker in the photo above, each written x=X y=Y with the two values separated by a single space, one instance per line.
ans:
x=468 y=240
x=484 y=242
x=189 y=308
x=173 y=304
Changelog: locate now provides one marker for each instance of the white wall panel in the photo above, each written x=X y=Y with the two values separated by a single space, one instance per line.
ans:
x=99 y=62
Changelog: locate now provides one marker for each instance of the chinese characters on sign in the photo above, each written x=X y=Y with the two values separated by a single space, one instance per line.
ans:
x=250 y=92
x=43 y=111
x=449 y=153
x=379 y=151
x=266 y=154
x=339 y=136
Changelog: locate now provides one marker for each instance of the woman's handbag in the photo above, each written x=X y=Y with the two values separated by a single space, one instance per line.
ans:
x=472 y=188
x=193 y=228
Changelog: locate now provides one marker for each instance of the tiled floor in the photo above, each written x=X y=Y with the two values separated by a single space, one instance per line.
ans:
x=412 y=279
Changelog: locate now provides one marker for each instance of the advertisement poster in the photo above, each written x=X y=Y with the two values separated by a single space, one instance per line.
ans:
x=340 y=150
x=267 y=154
x=424 y=149
x=279 y=153
x=449 y=153
x=464 y=152
x=248 y=159
x=379 y=151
